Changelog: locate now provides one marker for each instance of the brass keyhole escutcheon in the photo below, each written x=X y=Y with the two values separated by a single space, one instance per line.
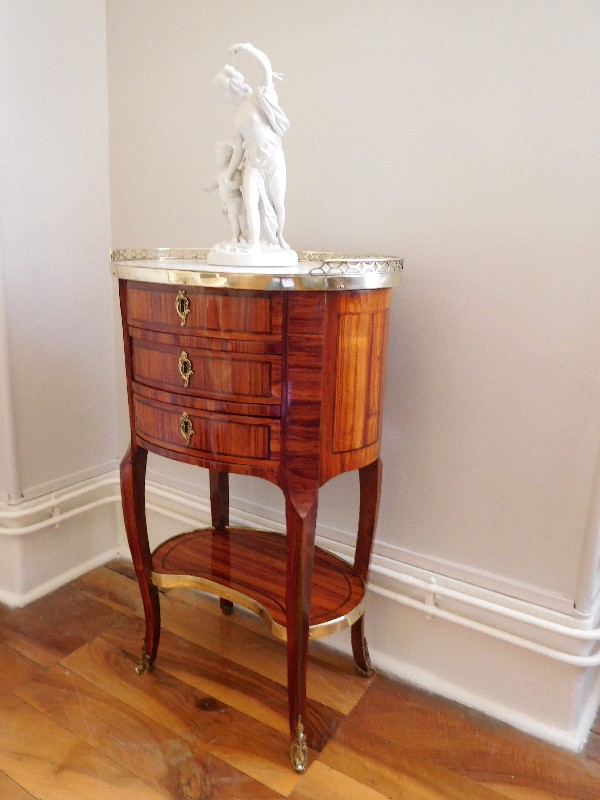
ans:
x=185 y=369
x=185 y=426
x=182 y=306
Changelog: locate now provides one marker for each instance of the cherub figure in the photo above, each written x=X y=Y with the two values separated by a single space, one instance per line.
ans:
x=230 y=194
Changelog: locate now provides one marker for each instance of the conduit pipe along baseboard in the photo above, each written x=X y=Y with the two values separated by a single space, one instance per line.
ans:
x=54 y=500
x=433 y=591
x=488 y=630
x=53 y=505
x=431 y=587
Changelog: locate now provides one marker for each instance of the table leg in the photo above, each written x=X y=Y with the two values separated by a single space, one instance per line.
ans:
x=133 y=493
x=300 y=538
x=370 y=490
x=219 y=510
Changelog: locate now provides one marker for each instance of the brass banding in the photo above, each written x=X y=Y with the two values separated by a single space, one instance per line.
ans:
x=316 y=271
x=162 y=581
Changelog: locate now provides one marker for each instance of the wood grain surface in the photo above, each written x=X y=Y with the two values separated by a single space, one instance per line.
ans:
x=217 y=313
x=253 y=563
x=77 y=723
x=239 y=377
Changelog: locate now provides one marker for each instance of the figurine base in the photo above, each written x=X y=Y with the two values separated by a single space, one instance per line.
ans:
x=220 y=256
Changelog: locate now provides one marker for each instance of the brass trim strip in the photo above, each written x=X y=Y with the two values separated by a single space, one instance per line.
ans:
x=162 y=581
x=201 y=254
x=142 y=253
x=317 y=271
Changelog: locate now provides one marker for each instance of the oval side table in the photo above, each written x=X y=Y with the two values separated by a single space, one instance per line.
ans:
x=272 y=373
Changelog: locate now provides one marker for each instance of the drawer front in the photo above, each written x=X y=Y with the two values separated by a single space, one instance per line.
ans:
x=226 y=438
x=237 y=377
x=205 y=312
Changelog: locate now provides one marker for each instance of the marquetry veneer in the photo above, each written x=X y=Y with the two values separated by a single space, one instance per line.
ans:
x=276 y=377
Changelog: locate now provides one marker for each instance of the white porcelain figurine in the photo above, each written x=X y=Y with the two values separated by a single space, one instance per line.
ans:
x=230 y=192
x=258 y=155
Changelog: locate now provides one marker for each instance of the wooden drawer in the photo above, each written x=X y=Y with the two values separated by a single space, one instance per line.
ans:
x=226 y=438
x=197 y=311
x=209 y=405
x=235 y=377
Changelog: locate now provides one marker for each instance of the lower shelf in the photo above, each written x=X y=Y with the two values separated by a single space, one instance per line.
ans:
x=249 y=567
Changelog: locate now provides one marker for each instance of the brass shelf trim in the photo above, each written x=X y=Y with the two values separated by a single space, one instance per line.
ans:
x=317 y=271
x=164 y=581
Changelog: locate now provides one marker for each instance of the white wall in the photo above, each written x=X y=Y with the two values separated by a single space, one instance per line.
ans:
x=57 y=387
x=55 y=236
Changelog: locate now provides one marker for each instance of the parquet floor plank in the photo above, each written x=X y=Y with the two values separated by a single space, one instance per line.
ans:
x=16 y=669
x=113 y=589
x=121 y=565
x=242 y=638
x=212 y=675
x=323 y=783
x=50 y=628
x=52 y=764
x=375 y=761
x=236 y=738
x=230 y=683
x=592 y=749
x=210 y=723
x=320 y=650
x=9 y=790
x=134 y=740
x=326 y=684
x=469 y=744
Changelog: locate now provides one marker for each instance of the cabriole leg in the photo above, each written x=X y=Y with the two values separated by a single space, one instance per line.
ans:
x=219 y=510
x=360 y=650
x=370 y=490
x=133 y=493
x=300 y=538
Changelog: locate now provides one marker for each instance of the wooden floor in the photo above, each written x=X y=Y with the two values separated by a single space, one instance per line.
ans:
x=210 y=723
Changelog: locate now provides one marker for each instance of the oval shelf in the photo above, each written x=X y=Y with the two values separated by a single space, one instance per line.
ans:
x=248 y=567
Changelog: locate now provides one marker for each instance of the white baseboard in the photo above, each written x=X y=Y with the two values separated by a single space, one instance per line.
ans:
x=20 y=599
x=49 y=540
